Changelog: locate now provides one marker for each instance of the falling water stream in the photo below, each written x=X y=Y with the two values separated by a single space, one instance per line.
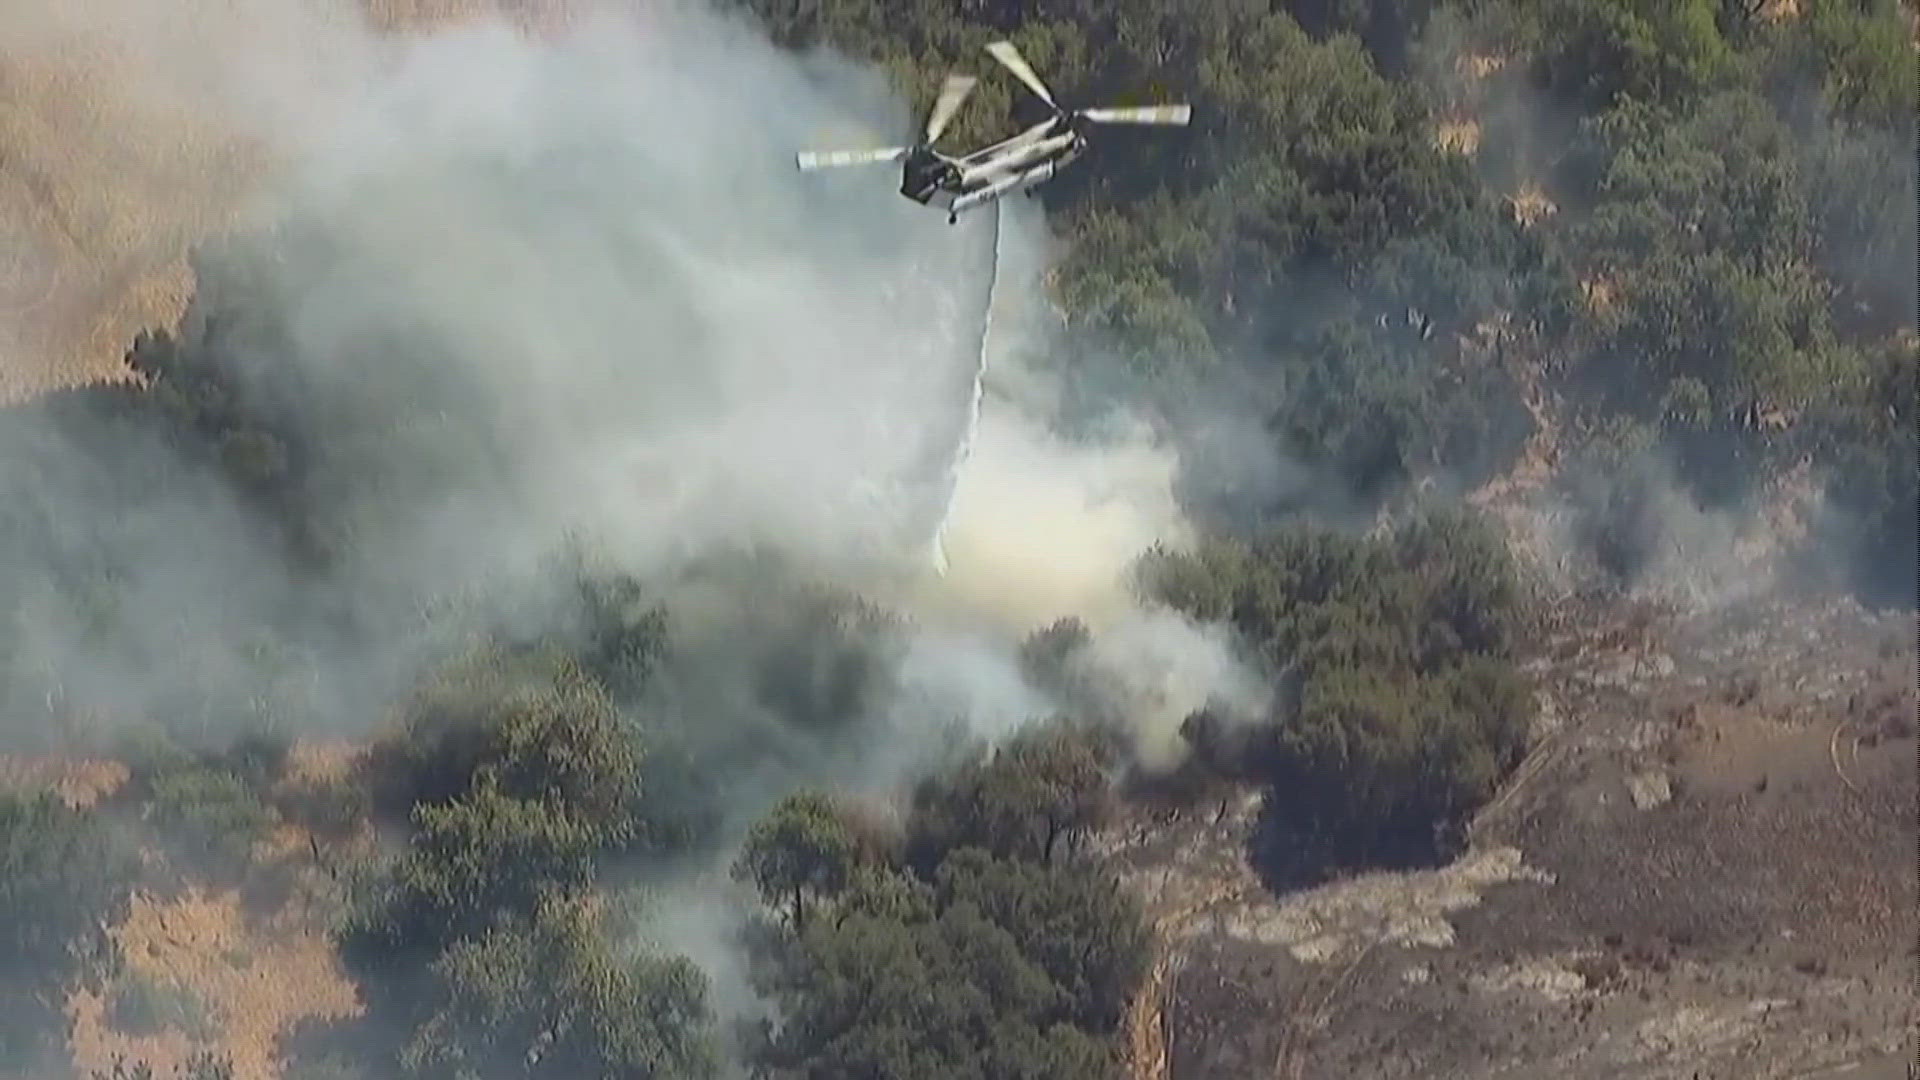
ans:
x=972 y=426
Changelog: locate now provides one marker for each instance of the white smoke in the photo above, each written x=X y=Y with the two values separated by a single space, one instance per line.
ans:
x=534 y=291
x=581 y=283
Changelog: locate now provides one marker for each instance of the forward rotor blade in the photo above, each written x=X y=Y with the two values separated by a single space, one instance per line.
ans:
x=809 y=160
x=1010 y=57
x=1143 y=114
x=952 y=94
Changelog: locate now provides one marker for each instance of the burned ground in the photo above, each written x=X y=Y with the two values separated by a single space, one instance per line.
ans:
x=1703 y=869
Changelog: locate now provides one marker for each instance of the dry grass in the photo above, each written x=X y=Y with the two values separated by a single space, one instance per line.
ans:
x=252 y=974
x=79 y=782
x=1530 y=204
x=255 y=981
x=106 y=181
x=1479 y=65
x=1458 y=135
x=102 y=188
x=316 y=762
x=1600 y=294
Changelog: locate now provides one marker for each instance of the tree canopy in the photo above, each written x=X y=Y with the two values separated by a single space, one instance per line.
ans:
x=1399 y=704
x=1386 y=214
x=935 y=955
x=480 y=945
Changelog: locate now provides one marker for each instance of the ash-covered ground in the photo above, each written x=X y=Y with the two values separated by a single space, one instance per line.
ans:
x=1703 y=869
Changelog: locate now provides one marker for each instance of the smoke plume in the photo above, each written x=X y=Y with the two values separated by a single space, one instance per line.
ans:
x=514 y=293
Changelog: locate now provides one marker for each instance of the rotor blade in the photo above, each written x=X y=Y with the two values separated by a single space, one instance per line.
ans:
x=1143 y=114
x=1009 y=56
x=952 y=94
x=809 y=160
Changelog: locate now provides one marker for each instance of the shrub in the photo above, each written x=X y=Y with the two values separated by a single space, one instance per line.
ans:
x=210 y=817
x=1399 y=705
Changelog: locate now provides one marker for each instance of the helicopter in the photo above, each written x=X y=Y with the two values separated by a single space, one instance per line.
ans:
x=961 y=183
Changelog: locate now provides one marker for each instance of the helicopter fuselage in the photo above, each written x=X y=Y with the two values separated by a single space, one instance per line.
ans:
x=1021 y=163
x=958 y=184
x=927 y=173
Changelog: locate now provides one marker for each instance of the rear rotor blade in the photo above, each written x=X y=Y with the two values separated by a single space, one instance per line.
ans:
x=1009 y=56
x=952 y=94
x=1143 y=114
x=809 y=160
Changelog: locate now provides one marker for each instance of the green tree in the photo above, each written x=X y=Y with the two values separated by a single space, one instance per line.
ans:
x=1873 y=487
x=1045 y=784
x=1399 y=705
x=553 y=996
x=973 y=965
x=200 y=1065
x=877 y=997
x=474 y=947
x=1598 y=52
x=925 y=992
x=472 y=862
x=1703 y=217
x=476 y=955
x=1862 y=53
x=1047 y=652
x=625 y=635
x=1083 y=930
x=209 y=816
x=803 y=847
x=531 y=726
x=784 y=670
x=1860 y=180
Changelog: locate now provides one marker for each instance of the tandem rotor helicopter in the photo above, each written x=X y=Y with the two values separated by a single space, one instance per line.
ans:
x=959 y=184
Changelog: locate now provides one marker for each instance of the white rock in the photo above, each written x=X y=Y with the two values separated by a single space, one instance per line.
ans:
x=1649 y=789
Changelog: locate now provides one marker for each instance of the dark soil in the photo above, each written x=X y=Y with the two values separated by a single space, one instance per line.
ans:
x=1725 y=804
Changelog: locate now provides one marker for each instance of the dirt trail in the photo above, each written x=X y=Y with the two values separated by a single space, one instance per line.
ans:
x=1146 y=1017
x=1312 y=1014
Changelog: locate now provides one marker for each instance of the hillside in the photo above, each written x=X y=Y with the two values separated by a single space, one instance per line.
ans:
x=1635 y=901
x=116 y=158
x=1638 y=901
x=1433 y=595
